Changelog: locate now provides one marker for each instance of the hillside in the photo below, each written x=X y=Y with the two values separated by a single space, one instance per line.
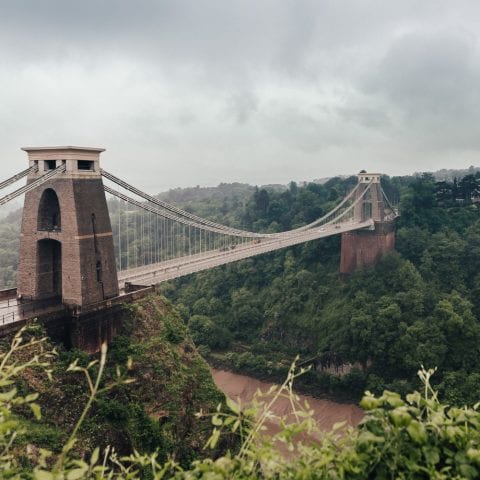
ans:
x=416 y=437
x=156 y=412
x=420 y=305
x=449 y=174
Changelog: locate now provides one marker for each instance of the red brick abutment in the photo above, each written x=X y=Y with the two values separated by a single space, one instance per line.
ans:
x=85 y=328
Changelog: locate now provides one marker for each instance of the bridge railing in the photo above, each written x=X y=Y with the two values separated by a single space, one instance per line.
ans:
x=21 y=310
x=8 y=294
x=127 y=297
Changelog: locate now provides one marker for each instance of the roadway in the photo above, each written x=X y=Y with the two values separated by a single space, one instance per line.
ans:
x=13 y=310
x=178 y=267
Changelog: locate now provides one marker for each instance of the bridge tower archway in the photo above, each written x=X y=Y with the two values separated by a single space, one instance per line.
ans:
x=49 y=214
x=66 y=243
x=49 y=269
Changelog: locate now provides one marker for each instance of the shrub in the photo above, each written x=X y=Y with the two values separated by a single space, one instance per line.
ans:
x=416 y=437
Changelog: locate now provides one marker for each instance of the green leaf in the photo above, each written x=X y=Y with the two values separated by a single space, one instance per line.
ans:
x=8 y=425
x=94 y=457
x=400 y=417
x=393 y=399
x=473 y=454
x=368 y=437
x=228 y=421
x=77 y=473
x=414 y=397
x=7 y=396
x=69 y=445
x=468 y=471
x=233 y=406
x=432 y=455
x=217 y=421
x=42 y=475
x=417 y=432
x=369 y=402
x=213 y=440
x=36 y=410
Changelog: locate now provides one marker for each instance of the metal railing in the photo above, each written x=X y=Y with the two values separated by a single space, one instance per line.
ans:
x=22 y=309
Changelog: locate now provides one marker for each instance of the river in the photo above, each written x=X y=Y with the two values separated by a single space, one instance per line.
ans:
x=325 y=412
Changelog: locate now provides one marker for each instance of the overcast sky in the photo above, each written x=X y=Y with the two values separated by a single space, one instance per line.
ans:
x=193 y=92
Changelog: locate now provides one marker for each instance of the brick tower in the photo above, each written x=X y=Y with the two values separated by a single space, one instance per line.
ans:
x=66 y=244
x=363 y=248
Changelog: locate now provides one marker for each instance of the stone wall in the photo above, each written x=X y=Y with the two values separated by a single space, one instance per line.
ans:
x=86 y=243
x=364 y=248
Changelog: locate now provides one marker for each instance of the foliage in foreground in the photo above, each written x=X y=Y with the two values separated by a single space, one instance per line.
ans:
x=155 y=413
x=416 y=437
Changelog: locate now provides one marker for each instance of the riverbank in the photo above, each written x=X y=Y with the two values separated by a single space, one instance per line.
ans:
x=348 y=388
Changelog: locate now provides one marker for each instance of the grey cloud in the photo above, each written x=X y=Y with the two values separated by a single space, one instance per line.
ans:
x=204 y=91
x=432 y=81
x=241 y=105
x=364 y=115
x=236 y=33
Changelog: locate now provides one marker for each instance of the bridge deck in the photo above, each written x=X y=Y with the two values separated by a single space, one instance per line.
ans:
x=161 y=272
x=12 y=310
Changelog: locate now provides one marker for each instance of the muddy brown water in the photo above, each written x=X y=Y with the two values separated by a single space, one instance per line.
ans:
x=326 y=412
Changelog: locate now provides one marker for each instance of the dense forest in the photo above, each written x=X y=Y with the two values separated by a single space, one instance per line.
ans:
x=420 y=305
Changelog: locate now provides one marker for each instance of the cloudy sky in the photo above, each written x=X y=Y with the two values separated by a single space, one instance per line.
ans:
x=187 y=92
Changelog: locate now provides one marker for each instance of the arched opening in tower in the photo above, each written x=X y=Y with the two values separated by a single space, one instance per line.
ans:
x=49 y=218
x=49 y=264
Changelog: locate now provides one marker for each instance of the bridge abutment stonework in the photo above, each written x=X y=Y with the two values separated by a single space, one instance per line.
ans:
x=364 y=248
x=66 y=244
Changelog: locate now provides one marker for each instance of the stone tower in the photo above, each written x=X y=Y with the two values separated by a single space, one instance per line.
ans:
x=372 y=205
x=66 y=244
x=363 y=248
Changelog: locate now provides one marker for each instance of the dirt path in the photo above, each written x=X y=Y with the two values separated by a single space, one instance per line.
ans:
x=326 y=412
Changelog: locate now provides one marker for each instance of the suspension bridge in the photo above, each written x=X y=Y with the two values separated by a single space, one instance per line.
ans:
x=77 y=250
x=184 y=243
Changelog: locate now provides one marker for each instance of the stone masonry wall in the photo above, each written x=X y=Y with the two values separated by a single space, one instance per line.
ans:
x=364 y=248
x=78 y=198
